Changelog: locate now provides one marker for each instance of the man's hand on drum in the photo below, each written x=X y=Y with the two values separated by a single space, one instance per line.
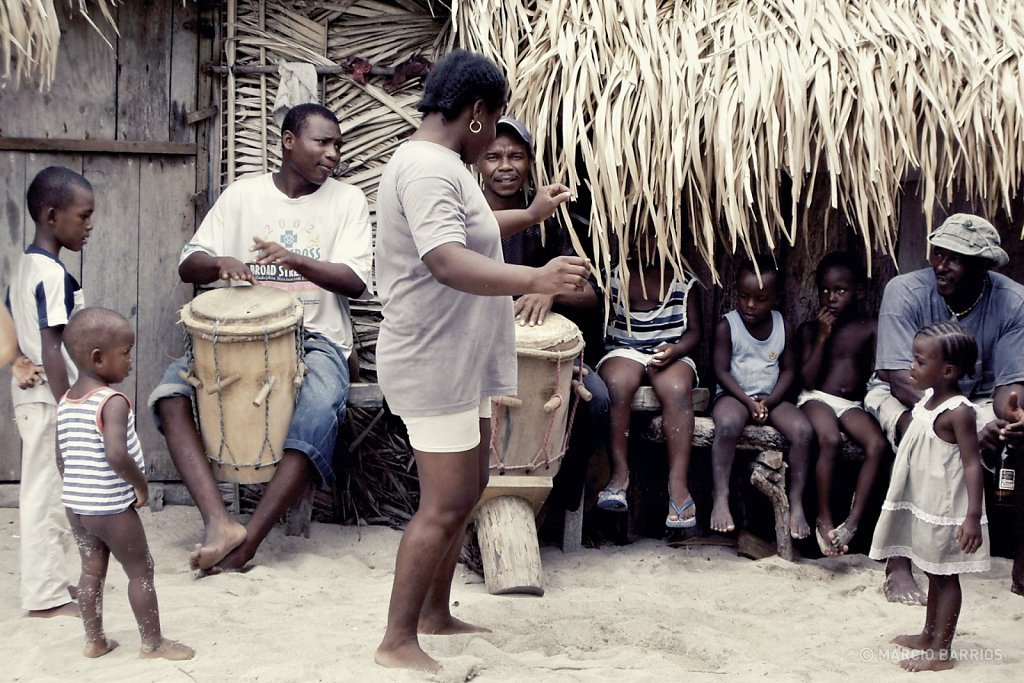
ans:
x=271 y=253
x=561 y=275
x=532 y=309
x=233 y=269
x=547 y=199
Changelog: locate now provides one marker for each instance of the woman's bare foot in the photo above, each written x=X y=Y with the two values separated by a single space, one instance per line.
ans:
x=406 y=656
x=68 y=609
x=912 y=641
x=721 y=517
x=798 y=526
x=220 y=540
x=929 y=660
x=94 y=650
x=167 y=649
x=447 y=626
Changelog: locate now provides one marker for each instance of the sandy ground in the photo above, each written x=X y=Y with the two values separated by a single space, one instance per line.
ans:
x=315 y=610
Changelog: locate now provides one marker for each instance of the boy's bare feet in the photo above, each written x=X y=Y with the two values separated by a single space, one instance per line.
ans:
x=721 y=517
x=167 y=649
x=798 y=526
x=912 y=641
x=930 y=660
x=899 y=586
x=94 y=650
x=448 y=626
x=220 y=540
x=823 y=531
x=406 y=656
x=68 y=609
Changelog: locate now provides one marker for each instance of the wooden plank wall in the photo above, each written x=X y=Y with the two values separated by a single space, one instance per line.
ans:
x=137 y=90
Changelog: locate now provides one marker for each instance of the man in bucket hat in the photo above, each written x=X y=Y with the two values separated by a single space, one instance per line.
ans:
x=961 y=286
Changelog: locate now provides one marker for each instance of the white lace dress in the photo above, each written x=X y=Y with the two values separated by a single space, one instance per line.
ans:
x=927 y=500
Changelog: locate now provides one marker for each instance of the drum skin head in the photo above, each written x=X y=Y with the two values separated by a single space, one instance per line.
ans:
x=554 y=333
x=241 y=311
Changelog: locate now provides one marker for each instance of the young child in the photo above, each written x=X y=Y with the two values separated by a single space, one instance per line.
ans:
x=934 y=510
x=837 y=356
x=105 y=481
x=754 y=363
x=655 y=347
x=41 y=297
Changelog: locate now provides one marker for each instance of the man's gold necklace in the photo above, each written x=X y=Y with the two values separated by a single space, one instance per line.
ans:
x=960 y=314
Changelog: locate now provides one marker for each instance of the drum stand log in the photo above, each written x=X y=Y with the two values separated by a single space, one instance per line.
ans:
x=506 y=529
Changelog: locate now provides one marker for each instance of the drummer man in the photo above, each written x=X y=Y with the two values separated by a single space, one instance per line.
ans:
x=299 y=230
x=506 y=171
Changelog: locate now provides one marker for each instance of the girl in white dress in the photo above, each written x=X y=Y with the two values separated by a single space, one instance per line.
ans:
x=934 y=509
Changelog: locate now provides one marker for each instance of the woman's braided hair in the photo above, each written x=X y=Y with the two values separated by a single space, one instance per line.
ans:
x=459 y=80
x=956 y=344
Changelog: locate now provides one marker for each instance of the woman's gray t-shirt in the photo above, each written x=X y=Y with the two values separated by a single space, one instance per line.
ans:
x=440 y=351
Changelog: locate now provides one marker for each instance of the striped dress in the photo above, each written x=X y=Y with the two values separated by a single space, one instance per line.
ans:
x=647 y=329
x=91 y=487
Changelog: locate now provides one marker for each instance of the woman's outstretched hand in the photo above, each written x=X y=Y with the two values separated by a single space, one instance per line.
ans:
x=561 y=275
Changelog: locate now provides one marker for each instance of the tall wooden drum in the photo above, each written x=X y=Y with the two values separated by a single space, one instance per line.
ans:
x=529 y=436
x=246 y=350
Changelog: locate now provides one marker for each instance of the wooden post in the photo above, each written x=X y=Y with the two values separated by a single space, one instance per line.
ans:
x=507 y=533
x=768 y=475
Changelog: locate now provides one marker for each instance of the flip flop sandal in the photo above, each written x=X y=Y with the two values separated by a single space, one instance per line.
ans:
x=680 y=522
x=613 y=500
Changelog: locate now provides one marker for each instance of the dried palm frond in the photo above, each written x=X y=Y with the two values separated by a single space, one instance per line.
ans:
x=690 y=119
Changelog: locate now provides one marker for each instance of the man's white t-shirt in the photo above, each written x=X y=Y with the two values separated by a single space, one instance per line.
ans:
x=332 y=224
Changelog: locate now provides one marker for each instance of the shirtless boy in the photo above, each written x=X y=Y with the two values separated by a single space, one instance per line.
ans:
x=837 y=356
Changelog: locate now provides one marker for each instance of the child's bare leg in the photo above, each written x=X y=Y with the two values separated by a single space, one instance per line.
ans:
x=95 y=560
x=622 y=376
x=673 y=386
x=449 y=489
x=922 y=640
x=436 y=616
x=730 y=416
x=124 y=535
x=788 y=419
x=945 y=593
x=826 y=428
x=222 y=533
x=865 y=431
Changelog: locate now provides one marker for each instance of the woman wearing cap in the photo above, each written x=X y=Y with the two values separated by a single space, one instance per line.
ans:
x=959 y=285
x=446 y=343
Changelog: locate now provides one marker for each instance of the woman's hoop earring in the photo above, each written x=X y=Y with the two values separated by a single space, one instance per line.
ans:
x=479 y=126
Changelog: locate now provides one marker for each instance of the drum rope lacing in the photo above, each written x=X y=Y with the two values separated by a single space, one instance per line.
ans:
x=542 y=458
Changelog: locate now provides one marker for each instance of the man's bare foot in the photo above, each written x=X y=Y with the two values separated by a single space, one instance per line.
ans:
x=94 y=650
x=220 y=540
x=912 y=641
x=721 y=517
x=929 y=660
x=68 y=609
x=447 y=626
x=798 y=525
x=406 y=656
x=167 y=649
x=900 y=587
x=1017 y=588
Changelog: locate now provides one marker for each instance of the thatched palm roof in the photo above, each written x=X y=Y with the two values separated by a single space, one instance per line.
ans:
x=713 y=121
x=30 y=35
x=688 y=115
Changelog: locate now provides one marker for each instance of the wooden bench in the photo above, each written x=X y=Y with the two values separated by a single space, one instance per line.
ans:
x=768 y=470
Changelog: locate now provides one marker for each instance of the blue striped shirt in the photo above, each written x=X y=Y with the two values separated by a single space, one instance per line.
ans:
x=91 y=487
x=647 y=329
